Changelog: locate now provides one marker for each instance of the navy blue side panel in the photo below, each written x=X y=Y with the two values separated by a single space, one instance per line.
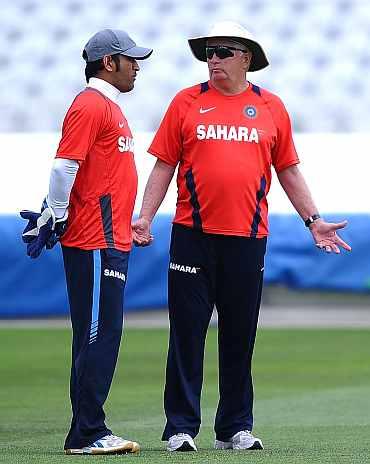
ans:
x=106 y=215
x=190 y=184
x=256 y=89
x=204 y=87
x=257 y=215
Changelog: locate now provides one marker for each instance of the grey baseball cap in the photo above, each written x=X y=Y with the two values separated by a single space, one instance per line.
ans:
x=111 y=42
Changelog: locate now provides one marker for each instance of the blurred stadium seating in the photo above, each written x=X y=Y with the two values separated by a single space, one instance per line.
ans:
x=318 y=51
x=320 y=59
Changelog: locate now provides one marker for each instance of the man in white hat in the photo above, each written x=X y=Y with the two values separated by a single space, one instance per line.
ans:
x=225 y=135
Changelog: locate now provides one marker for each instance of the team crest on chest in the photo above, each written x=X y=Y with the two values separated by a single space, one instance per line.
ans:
x=250 y=111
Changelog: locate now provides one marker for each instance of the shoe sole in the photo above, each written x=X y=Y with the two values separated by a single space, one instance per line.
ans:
x=130 y=447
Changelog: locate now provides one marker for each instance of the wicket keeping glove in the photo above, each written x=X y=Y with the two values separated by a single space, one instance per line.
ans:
x=43 y=229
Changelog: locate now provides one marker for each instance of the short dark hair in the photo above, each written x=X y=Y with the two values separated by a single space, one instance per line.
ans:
x=93 y=67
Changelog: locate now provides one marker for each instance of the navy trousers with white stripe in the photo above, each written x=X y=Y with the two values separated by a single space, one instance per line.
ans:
x=95 y=283
x=208 y=270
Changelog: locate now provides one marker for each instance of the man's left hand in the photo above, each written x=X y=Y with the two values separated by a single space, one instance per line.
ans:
x=325 y=236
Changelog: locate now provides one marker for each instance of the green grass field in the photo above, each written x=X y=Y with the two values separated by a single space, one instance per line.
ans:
x=312 y=397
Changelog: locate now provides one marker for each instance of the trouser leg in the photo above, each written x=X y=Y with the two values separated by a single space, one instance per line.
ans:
x=239 y=287
x=95 y=283
x=190 y=301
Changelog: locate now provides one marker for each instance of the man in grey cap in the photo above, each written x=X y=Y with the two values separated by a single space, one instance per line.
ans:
x=89 y=208
x=225 y=135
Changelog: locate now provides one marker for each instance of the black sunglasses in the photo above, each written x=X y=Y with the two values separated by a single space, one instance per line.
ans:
x=222 y=51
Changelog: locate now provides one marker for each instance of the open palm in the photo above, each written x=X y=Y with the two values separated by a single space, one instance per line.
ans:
x=326 y=238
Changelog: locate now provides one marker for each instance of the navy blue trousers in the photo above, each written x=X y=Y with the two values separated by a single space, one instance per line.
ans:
x=207 y=270
x=95 y=283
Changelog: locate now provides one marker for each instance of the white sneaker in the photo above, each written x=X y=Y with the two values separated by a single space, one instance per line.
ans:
x=243 y=440
x=110 y=444
x=181 y=442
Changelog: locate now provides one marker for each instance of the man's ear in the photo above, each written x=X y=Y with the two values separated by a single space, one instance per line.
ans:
x=247 y=60
x=108 y=63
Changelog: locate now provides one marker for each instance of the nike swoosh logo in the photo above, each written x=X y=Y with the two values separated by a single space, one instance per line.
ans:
x=121 y=124
x=205 y=110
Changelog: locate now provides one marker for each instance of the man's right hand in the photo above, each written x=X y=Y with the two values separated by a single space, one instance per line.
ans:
x=141 y=232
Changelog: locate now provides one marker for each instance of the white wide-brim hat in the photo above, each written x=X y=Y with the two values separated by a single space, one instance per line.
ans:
x=233 y=31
